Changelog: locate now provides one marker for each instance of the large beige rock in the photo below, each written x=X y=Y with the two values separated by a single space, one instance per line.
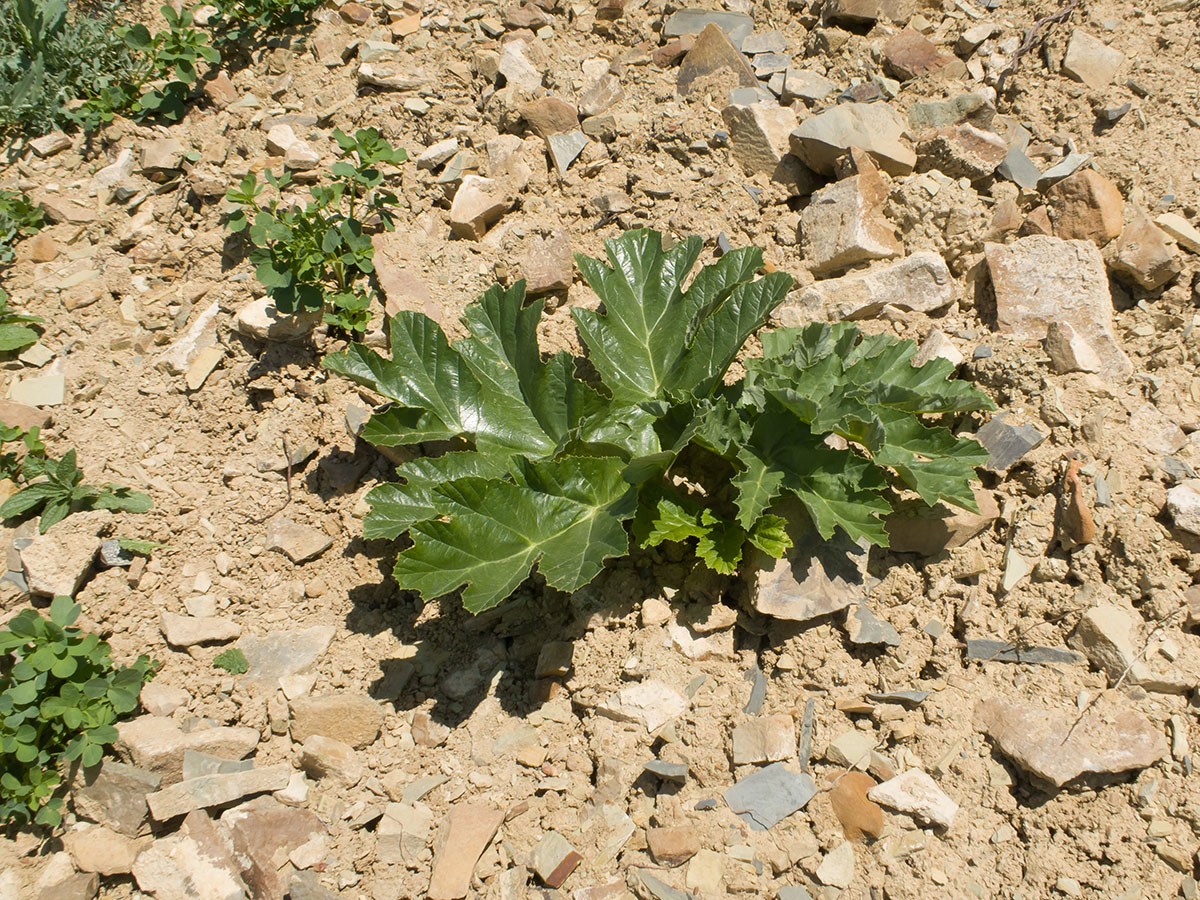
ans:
x=260 y=319
x=1091 y=61
x=58 y=561
x=759 y=134
x=478 y=204
x=874 y=127
x=1144 y=254
x=354 y=719
x=1039 y=279
x=920 y=282
x=713 y=52
x=844 y=225
x=157 y=744
x=195 y=863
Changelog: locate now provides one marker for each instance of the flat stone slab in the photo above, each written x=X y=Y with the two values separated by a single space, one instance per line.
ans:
x=1059 y=745
x=1005 y=443
x=768 y=796
x=216 y=790
x=815 y=579
x=282 y=653
x=985 y=650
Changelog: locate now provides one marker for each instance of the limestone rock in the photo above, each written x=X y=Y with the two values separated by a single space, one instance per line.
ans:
x=764 y=739
x=216 y=790
x=962 y=151
x=49 y=144
x=478 y=204
x=1039 y=280
x=282 y=653
x=1180 y=230
x=837 y=868
x=874 y=127
x=916 y=793
x=1183 y=505
x=187 y=631
x=355 y=719
x=196 y=863
x=920 y=282
x=1059 y=745
x=470 y=829
x=114 y=795
x=550 y=115
x=713 y=52
x=158 y=744
x=547 y=264
x=815 y=579
x=299 y=543
x=162 y=158
x=162 y=699
x=860 y=817
x=1091 y=61
x=1087 y=207
x=95 y=848
x=910 y=54
x=264 y=833
x=758 y=135
x=915 y=527
x=57 y=562
x=843 y=225
x=1144 y=253
x=323 y=757
x=516 y=68
x=1068 y=351
x=260 y=319
x=650 y=703
x=1109 y=636
x=857 y=12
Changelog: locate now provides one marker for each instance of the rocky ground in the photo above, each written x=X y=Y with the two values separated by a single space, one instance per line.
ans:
x=999 y=706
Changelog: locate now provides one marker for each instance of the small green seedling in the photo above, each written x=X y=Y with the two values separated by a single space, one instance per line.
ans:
x=15 y=333
x=19 y=218
x=172 y=57
x=232 y=661
x=139 y=547
x=319 y=256
x=61 y=492
x=60 y=696
x=557 y=468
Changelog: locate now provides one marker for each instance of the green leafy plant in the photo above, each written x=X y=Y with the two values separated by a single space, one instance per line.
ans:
x=232 y=661
x=60 y=491
x=319 y=256
x=15 y=333
x=18 y=466
x=546 y=470
x=19 y=218
x=242 y=23
x=52 y=56
x=60 y=695
x=170 y=56
x=140 y=547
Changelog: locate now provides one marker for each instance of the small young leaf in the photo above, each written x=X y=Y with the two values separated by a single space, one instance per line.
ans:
x=232 y=661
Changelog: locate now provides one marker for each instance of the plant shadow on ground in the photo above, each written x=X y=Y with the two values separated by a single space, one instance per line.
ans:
x=459 y=659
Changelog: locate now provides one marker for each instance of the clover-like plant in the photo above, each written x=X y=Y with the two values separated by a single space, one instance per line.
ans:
x=319 y=256
x=551 y=471
x=60 y=695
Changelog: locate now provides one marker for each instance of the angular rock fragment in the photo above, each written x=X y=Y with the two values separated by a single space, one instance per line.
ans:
x=1059 y=745
x=1039 y=280
x=858 y=12
x=565 y=148
x=713 y=52
x=264 y=833
x=216 y=790
x=916 y=793
x=355 y=719
x=961 y=151
x=837 y=868
x=1110 y=637
x=863 y=627
x=1180 y=230
x=550 y=115
x=874 y=127
x=652 y=703
x=674 y=845
x=987 y=650
x=516 y=68
x=768 y=796
x=282 y=653
x=297 y=542
x=910 y=54
x=114 y=795
x=815 y=579
x=736 y=25
x=860 y=817
x=1183 y=506
x=758 y=136
x=920 y=282
x=478 y=204
x=1087 y=207
x=195 y=863
x=260 y=319
x=1091 y=61
x=844 y=225
x=1006 y=443
x=470 y=829
x=158 y=744
x=95 y=848
x=1144 y=253
x=554 y=859
x=1068 y=351
x=764 y=739
x=917 y=528
x=188 y=631
x=58 y=562
x=323 y=757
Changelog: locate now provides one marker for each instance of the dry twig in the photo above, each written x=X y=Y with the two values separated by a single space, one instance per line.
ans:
x=1034 y=36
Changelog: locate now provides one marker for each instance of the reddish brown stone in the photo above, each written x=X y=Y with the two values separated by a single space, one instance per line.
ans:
x=673 y=846
x=672 y=51
x=713 y=52
x=1037 y=222
x=550 y=115
x=860 y=817
x=264 y=831
x=910 y=55
x=1144 y=253
x=1087 y=207
x=356 y=13
x=608 y=10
